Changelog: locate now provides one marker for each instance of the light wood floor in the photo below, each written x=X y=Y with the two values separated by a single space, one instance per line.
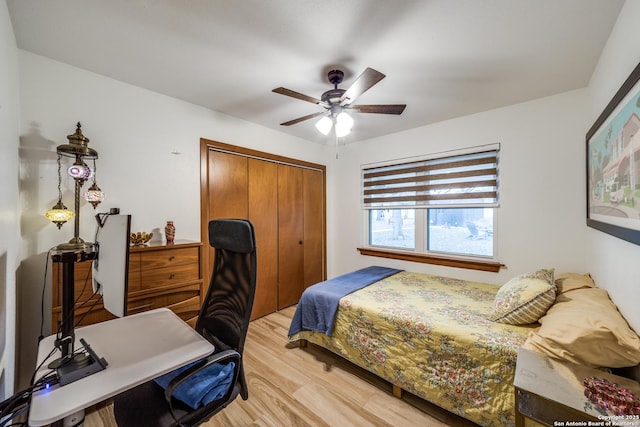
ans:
x=290 y=386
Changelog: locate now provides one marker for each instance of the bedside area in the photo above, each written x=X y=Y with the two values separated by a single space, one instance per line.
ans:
x=551 y=392
x=160 y=275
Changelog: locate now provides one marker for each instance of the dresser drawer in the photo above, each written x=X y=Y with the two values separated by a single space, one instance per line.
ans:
x=168 y=257
x=83 y=316
x=133 y=281
x=165 y=298
x=187 y=310
x=160 y=275
x=169 y=275
x=83 y=284
x=134 y=262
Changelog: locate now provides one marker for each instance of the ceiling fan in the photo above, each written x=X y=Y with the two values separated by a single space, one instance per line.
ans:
x=335 y=101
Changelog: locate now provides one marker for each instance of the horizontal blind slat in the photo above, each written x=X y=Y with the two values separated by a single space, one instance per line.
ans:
x=455 y=196
x=471 y=177
x=489 y=154
x=436 y=177
x=424 y=188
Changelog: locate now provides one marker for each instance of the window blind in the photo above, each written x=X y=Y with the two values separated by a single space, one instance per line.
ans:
x=469 y=180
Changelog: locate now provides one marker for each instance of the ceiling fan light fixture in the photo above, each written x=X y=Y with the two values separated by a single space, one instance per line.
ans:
x=335 y=101
x=344 y=124
x=342 y=131
x=324 y=125
x=343 y=119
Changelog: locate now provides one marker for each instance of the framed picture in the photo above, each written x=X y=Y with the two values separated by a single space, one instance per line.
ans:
x=613 y=164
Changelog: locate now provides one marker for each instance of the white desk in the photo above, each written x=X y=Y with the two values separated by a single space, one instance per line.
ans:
x=551 y=392
x=137 y=348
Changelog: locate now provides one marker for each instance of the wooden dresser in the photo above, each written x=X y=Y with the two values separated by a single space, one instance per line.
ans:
x=160 y=275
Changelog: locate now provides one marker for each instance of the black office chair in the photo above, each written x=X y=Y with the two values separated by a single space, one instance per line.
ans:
x=223 y=320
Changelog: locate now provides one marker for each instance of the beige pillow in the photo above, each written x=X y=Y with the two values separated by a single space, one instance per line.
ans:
x=524 y=299
x=566 y=282
x=584 y=326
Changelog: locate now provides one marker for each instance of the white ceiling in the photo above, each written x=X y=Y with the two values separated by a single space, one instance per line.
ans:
x=443 y=58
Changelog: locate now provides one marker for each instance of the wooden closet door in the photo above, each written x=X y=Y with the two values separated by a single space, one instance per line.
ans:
x=227 y=182
x=284 y=198
x=263 y=213
x=290 y=235
x=314 y=247
x=228 y=185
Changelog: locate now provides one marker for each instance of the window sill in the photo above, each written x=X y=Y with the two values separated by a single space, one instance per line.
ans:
x=481 y=265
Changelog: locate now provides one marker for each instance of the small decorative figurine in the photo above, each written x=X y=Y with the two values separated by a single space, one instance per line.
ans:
x=170 y=232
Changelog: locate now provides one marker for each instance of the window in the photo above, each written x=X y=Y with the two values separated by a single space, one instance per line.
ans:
x=443 y=205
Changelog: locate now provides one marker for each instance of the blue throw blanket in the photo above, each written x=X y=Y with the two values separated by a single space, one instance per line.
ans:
x=203 y=387
x=317 y=308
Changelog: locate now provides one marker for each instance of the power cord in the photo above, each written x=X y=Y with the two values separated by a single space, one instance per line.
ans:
x=44 y=286
x=19 y=403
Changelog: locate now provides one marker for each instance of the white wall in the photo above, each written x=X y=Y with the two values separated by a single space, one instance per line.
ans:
x=135 y=132
x=541 y=221
x=612 y=261
x=541 y=214
x=9 y=219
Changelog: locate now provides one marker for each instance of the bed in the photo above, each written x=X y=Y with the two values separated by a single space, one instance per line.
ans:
x=428 y=335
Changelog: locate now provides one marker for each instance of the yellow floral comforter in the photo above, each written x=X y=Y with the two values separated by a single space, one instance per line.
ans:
x=430 y=336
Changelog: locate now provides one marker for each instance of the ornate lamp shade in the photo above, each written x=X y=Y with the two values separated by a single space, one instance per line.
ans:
x=94 y=195
x=59 y=214
x=80 y=170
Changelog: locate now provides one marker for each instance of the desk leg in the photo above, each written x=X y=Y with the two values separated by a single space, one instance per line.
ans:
x=519 y=416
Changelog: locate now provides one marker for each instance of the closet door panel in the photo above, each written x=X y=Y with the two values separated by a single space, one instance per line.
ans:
x=228 y=184
x=228 y=192
x=290 y=235
x=313 y=199
x=263 y=213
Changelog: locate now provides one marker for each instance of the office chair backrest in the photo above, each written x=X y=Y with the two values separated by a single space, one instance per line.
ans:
x=223 y=320
x=226 y=311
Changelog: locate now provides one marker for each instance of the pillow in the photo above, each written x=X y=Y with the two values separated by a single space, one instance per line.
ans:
x=525 y=298
x=584 y=326
x=570 y=281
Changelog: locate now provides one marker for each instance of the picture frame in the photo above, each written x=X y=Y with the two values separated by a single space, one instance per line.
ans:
x=613 y=164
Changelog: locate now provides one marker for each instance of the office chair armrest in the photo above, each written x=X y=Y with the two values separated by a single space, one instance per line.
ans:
x=226 y=355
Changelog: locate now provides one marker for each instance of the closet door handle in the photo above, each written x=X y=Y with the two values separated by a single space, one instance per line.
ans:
x=300 y=242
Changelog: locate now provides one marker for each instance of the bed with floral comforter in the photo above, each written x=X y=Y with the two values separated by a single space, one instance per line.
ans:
x=430 y=336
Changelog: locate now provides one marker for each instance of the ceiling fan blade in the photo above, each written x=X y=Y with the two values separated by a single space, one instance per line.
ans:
x=379 y=109
x=363 y=83
x=297 y=95
x=303 y=118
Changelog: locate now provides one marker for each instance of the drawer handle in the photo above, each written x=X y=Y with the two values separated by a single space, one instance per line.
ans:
x=172 y=276
x=140 y=307
x=172 y=257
